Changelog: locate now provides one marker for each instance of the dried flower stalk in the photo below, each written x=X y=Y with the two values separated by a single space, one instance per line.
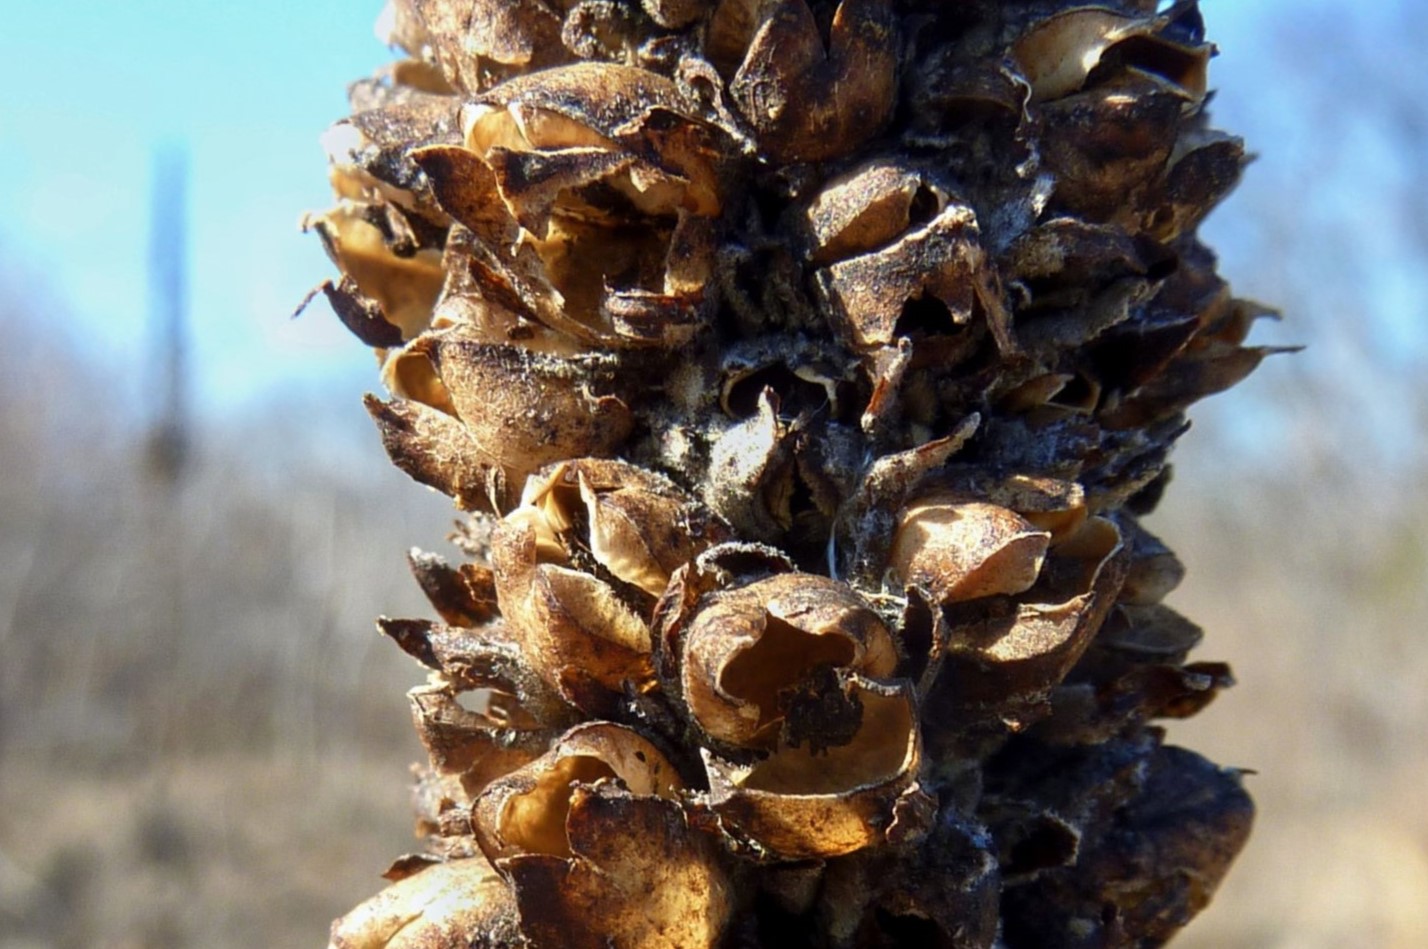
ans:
x=805 y=368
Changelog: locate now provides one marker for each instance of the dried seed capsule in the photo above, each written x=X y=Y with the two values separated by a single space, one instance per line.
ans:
x=597 y=850
x=405 y=286
x=961 y=550
x=801 y=803
x=1059 y=55
x=890 y=234
x=747 y=650
x=463 y=902
x=578 y=519
x=1007 y=661
x=520 y=409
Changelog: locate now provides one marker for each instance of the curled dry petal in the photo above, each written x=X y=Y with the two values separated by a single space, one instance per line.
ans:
x=1049 y=504
x=578 y=519
x=598 y=851
x=460 y=903
x=521 y=409
x=370 y=152
x=801 y=804
x=961 y=550
x=604 y=107
x=1014 y=659
x=435 y=449
x=578 y=634
x=526 y=811
x=941 y=259
x=405 y=286
x=472 y=746
x=1058 y=55
x=636 y=524
x=868 y=519
x=869 y=207
x=806 y=102
x=473 y=42
x=590 y=193
x=749 y=650
x=464 y=596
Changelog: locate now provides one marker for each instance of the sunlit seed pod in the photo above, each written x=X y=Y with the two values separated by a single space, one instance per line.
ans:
x=940 y=258
x=604 y=107
x=599 y=852
x=471 y=746
x=748 y=648
x=1011 y=659
x=436 y=450
x=635 y=524
x=1061 y=53
x=459 y=903
x=587 y=635
x=799 y=803
x=961 y=550
x=370 y=152
x=525 y=811
x=868 y=207
x=404 y=285
x=578 y=635
x=523 y=409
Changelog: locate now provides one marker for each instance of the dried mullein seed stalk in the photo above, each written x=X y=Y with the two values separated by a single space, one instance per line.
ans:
x=805 y=368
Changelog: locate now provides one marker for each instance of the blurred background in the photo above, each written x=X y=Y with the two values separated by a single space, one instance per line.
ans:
x=203 y=742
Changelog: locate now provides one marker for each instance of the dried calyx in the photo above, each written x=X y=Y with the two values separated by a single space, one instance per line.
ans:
x=805 y=368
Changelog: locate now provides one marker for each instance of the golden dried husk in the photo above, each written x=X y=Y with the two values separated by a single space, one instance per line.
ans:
x=806 y=368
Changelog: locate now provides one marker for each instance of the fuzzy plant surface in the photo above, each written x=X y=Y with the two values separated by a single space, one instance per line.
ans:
x=804 y=370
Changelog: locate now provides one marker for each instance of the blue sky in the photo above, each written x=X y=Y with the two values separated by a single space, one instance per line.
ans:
x=94 y=88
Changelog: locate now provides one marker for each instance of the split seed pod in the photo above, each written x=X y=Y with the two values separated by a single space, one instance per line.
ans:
x=1010 y=660
x=748 y=651
x=459 y=903
x=961 y=550
x=801 y=803
x=577 y=522
x=599 y=852
x=521 y=409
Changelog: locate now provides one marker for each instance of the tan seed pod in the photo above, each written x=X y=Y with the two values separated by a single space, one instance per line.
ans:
x=1058 y=55
x=435 y=449
x=525 y=811
x=404 y=286
x=586 y=638
x=460 y=903
x=940 y=259
x=961 y=550
x=637 y=525
x=599 y=853
x=1014 y=659
x=747 y=647
x=579 y=636
x=605 y=107
x=799 y=803
x=521 y=409
x=868 y=207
